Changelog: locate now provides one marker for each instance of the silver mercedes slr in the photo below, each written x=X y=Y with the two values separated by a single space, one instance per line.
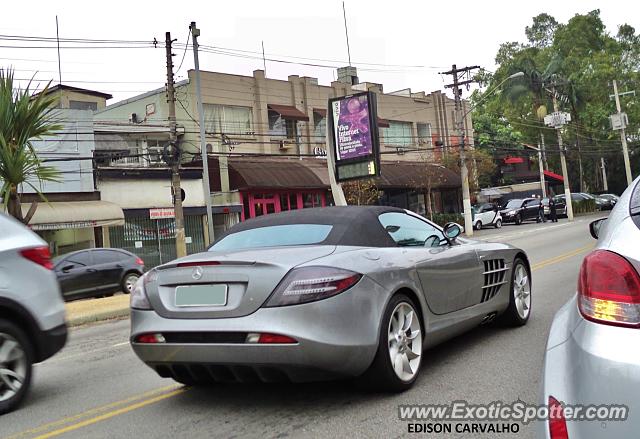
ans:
x=324 y=293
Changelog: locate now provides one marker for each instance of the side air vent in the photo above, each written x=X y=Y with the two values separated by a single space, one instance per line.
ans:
x=494 y=277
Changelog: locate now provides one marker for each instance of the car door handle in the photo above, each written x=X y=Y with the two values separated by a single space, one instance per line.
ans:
x=91 y=270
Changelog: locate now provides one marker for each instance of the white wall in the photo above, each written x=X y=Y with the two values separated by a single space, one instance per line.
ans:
x=146 y=193
x=74 y=141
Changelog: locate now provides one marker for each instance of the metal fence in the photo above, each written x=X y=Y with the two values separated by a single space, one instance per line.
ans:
x=154 y=240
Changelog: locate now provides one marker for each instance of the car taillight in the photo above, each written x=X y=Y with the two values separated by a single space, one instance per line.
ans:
x=308 y=284
x=39 y=255
x=150 y=338
x=557 y=421
x=139 y=261
x=266 y=338
x=609 y=290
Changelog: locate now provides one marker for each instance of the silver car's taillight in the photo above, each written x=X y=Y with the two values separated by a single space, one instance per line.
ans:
x=308 y=284
x=609 y=289
x=139 y=299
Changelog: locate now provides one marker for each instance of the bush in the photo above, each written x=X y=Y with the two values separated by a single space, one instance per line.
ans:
x=442 y=218
x=584 y=207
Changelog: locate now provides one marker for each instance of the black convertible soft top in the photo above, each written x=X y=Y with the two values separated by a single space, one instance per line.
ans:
x=353 y=225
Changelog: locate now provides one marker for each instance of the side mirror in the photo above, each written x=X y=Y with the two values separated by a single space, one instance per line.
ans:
x=594 y=227
x=392 y=229
x=66 y=268
x=452 y=231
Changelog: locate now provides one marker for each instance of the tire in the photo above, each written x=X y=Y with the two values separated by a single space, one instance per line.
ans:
x=519 y=309
x=382 y=375
x=518 y=220
x=498 y=224
x=16 y=360
x=128 y=281
x=478 y=225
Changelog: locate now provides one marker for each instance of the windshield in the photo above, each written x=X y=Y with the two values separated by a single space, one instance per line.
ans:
x=513 y=204
x=274 y=236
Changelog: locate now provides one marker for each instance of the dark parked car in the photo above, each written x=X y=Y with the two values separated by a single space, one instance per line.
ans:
x=519 y=210
x=97 y=272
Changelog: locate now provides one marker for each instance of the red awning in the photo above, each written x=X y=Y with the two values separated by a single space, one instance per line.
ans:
x=554 y=176
x=321 y=111
x=513 y=160
x=288 y=112
x=383 y=123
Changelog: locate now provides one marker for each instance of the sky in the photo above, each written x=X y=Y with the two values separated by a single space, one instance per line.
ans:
x=401 y=44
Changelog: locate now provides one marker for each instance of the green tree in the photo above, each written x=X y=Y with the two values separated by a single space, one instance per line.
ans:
x=24 y=117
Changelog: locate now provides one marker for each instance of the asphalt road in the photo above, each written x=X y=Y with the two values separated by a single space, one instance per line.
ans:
x=97 y=388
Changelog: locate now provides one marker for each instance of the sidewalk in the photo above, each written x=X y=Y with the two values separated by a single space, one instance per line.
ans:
x=81 y=312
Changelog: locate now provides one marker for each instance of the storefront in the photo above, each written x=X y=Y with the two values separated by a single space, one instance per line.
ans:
x=258 y=202
x=73 y=225
x=150 y=234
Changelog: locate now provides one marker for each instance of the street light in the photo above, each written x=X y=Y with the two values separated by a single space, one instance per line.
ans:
x=464 y=172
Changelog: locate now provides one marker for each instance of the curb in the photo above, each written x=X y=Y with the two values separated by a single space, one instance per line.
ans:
x=116 y=314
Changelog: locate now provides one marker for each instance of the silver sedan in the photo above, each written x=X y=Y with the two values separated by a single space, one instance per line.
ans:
x=592 y=355
x=324 y=293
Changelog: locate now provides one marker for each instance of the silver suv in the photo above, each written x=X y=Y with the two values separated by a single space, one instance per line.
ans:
x=32 y=323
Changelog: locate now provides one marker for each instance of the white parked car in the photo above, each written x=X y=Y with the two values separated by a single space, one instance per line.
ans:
x=32 y=323
x=486 y=214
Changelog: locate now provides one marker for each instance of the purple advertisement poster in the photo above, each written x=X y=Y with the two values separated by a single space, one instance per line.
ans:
x=352 y=128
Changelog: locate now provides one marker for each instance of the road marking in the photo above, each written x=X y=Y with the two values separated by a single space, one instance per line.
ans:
x=120 y=344
x=562 y=257
x=93 y=411
x=80 y=354
x=113 y=413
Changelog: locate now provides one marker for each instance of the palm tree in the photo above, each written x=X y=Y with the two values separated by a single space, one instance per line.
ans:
x=533 y=83
x=23 y=118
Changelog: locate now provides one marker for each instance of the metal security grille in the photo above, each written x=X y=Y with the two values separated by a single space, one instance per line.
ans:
x=494 y=277
x=154 y=240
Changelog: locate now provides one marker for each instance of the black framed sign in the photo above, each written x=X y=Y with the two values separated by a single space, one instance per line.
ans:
x=353 y=123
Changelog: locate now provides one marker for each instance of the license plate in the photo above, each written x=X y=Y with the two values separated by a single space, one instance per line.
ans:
x=202 y=295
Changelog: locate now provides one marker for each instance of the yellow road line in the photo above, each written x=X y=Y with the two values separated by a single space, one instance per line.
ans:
x=92 y=411
x=111 y=414
x=562 y=257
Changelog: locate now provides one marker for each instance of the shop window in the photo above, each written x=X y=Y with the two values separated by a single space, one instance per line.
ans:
x=284 y=201
x=279 y=126
x=399 y=134
x=424 y=133
x=293 y=201
x=228 y=119
x=319 y=127
x=245 y=206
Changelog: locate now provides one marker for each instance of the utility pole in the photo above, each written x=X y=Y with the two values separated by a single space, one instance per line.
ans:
x=195 y=33
x=181 y=246
x=541 y=168
x=623 y=137
x=604 y=174
x=563 y=159
x=544 y=151
x=464 y=172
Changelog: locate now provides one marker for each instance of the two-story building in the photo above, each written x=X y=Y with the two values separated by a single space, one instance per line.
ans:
x=267 y=137
x=73 y=215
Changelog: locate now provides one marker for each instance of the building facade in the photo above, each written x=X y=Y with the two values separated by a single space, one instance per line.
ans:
x=282 y=124
x=73 y=215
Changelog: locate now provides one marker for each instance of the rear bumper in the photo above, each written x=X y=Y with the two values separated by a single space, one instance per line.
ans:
x=589 y=363
x=336 y=337
x=51 y=341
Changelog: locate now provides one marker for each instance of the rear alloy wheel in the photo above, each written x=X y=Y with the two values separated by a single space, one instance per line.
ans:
x=129 y=281
x=519 y=309
x=478 y=225
x=399 y=357
x=498 y=224
x=15 y=365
